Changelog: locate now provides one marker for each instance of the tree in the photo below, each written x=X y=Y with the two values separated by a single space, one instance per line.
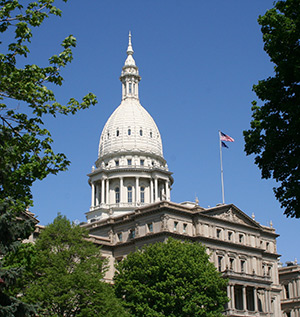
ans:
x=171 y=279
x=274 y=136
x=64 y=274
x=25 y=144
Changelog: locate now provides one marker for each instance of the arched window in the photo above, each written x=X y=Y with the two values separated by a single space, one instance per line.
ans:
x=117 y=194
x=129 y=194
x=141 y=132
x=129 y=131
x=118 y=132
x=142 y=194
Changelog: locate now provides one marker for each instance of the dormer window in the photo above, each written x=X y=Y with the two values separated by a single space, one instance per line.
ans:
x=129 y=131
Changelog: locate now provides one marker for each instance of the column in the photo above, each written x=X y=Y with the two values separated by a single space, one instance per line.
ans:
x=156 y=189
x=107 y=191
x=93 y=195
x=151 y=191
x=255 y=299
x=228 y=295
x=266 y=301
x=232 y=297
x=137 y=187
x=121 y=190
x=166 y=190
x=102 y=191
x=294 y=288
x=244 y=298
x=97 y=194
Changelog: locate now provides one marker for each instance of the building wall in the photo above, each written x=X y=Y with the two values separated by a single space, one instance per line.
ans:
x=243 y=250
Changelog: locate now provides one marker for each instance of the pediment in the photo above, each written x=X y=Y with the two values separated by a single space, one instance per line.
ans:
x=233 y=214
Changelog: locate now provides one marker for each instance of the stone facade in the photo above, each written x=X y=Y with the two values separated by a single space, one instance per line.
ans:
x=239 y=247
x=289 y=278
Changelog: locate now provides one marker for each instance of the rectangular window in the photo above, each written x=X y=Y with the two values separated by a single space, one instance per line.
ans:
x=129 y=162
x=117 y=162
x=142 y=162
x=130 y=88
x=241 y=238
x=175 y=225
x=184 y=227
x=130 y=196
x=132 y=234
x=120 y=237
x=150 y=227
x=231 y=262
x=219 y=233
x=243 y=265
x=220 y=260
x=229 y=236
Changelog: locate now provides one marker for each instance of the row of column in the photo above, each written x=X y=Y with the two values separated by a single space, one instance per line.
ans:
x=264 y=305
x=293 y=289
x=101 y=192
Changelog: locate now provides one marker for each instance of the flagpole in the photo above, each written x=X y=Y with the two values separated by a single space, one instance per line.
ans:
x=221 y=161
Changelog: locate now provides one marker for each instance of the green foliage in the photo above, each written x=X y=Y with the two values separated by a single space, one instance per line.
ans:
x=274 y=136
x=63 y=274
x=25 y=145
x=171 y=279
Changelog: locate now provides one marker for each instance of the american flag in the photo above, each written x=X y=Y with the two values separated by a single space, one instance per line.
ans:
x=224 y=145
x=225 y=137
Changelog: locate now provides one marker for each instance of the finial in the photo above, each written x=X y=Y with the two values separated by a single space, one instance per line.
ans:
x=129 y=49
x=253 y=216
x=271 y=224
x=197 y=201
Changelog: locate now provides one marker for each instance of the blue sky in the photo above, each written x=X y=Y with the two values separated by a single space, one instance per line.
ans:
x=198 y=61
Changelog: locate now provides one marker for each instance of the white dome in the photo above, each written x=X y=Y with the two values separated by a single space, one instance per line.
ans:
x=130 y=129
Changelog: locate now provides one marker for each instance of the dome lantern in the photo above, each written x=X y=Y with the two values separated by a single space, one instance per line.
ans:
x=130 y=77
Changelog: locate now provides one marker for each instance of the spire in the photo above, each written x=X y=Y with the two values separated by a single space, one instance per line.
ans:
x=129 y=49
x=130 y=75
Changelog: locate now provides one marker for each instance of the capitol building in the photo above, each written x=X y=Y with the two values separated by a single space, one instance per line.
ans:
x=131 y=206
